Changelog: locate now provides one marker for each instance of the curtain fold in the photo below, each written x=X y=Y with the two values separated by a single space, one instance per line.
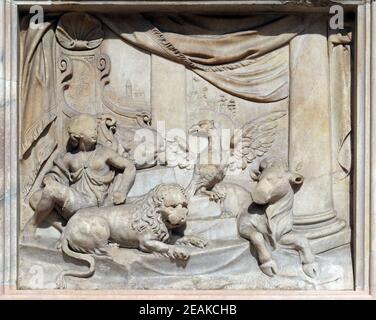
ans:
x=38 y=103
x=340 y=67
x=244 y=56
x=238 y=55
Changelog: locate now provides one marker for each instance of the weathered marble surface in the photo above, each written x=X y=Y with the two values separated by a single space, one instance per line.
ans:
x=171 y=98
x=340 y=196
x=236 y=270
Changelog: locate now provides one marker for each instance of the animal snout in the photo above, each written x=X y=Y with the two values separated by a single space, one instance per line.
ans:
x=176 y=220
x=260 y=197
x=194 y=129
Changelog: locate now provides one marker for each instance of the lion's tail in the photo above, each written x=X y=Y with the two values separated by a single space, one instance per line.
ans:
x=60 y=280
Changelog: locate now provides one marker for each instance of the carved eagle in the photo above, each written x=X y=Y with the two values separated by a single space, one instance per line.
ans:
x=253 y=141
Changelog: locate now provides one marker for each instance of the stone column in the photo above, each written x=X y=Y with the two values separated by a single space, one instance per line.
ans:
x=373 y=153
x=2 y=143
x=8 y=146
x=310 y=136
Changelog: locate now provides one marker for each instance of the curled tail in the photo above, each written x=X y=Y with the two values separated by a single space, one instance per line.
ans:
x=60 y=280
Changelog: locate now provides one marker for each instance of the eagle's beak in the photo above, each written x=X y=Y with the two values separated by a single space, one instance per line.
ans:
x=194 y=129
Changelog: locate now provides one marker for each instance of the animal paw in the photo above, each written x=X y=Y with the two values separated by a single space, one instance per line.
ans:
x=311 y=269
x=61 y=283
x=198 y=242
x=113 y=245
x=104 y=252
x=213 y=196
x=269 y=268
x=227 y=214
x=192 y=240
x=178 y=253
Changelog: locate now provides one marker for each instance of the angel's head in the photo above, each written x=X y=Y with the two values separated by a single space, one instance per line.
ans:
x=83 y=132
x=203 y=127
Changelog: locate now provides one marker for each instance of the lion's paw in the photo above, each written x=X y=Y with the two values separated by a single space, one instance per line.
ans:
x=198 y=242
x=227 y=214
x=178 y=253
x=193 y=241
x=311 y=269
x=212 y=195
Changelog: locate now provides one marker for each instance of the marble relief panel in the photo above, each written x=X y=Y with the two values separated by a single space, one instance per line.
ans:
x=185 y=152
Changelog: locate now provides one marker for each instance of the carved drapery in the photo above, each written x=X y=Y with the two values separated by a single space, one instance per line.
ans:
x=38 y=101
x=48 y=61
x=238 y=55
x=242 y=59
x=340 y=78
x=340 y=52
x=261 y=70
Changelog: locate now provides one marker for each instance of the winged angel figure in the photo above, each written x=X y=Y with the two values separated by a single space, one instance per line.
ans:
x=253 y=141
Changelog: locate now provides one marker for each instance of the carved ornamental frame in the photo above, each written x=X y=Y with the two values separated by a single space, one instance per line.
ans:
x=364 y=171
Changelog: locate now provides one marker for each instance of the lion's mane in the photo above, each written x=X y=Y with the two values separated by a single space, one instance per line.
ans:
x=146 y=216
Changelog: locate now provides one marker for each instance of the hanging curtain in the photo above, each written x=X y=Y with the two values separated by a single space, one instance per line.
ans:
x=340 y=78
x=238 y=55
x=38 y=105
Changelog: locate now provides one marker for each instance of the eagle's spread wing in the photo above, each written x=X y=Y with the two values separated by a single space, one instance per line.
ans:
x=254 y=139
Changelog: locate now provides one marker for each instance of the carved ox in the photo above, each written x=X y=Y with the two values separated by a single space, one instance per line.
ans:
x=265 y=215
x=270 y=218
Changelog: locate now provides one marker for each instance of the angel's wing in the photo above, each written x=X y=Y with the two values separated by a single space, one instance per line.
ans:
x=254 y=139
x=177 y=153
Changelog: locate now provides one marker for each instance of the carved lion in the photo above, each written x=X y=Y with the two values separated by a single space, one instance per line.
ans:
x=143 y=224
